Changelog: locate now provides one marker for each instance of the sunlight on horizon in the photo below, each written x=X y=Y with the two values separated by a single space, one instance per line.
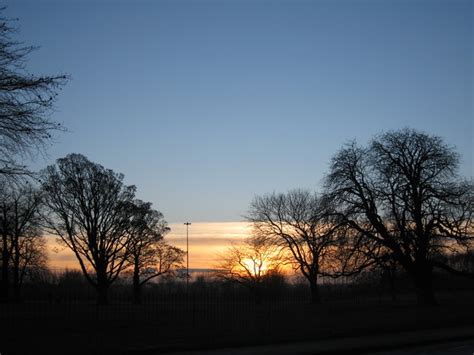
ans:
x=207 y=240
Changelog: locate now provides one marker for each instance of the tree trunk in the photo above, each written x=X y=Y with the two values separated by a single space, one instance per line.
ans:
x=315 y=297
x=391 y=283
x=136 y=285
x=257 y=293
x=16 y=292
x=102 y=286
x=4 y=285
x=388 y=276
x=137 y=294
x=16 y=270
x=102 y=294
x=423 y=279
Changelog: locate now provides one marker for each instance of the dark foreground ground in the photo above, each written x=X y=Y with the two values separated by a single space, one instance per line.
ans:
x=435 y=341
x=81 y=328
x=465 y=347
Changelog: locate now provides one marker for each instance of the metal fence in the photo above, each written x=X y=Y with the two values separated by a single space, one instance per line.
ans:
x=209 y=313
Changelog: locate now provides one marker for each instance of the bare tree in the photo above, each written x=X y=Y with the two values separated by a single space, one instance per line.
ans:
x=88 y=209
x=352 y=254
x=33 y=258
x=299 y=222
x=26 y=102
x=403 y=193
x=251 y=264
x=6 y=246
x=22 y=243
x=148 y=254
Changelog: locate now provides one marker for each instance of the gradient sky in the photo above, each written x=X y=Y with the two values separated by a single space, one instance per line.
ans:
x=203 y=104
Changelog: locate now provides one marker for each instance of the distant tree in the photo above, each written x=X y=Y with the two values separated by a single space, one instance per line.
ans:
x=22 y=244
x=403 y=192
x=33 y=259
x=88 y=208
x=299 y=221
x=251 y=264
x=148 y=254
x=6 y=227
x=26 y=102
x=72 y=279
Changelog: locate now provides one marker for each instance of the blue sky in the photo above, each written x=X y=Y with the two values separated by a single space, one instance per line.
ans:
x=203 y=104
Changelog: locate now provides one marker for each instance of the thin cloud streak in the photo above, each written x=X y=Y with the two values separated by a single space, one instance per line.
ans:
x=206 y=242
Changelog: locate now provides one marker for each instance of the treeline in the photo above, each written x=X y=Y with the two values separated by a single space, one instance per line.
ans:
x=398 y=202
x=372 y=286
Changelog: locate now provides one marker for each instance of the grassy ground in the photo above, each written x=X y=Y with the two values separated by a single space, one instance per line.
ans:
x=83 y=328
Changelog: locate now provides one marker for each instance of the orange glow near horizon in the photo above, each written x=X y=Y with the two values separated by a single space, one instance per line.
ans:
x=207 y=240
x=254 y=267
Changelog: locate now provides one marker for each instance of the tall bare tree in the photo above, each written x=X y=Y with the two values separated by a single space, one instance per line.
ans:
x=89 y=210
x=26 y=102
x=32 y=260
x=148 y=254
x=404 y=193
x=299 y=222
x=22 y=243
x=6 y=229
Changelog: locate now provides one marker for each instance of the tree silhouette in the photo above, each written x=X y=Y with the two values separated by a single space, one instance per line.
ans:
x=89 y=210
x=26 y=102
x=299 y=222
x=403 y=193
x=22 y=244
x=148 y=254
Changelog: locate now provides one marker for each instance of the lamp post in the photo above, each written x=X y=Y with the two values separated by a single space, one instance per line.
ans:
x=187 y=224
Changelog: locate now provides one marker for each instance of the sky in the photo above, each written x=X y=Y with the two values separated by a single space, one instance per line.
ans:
x=204 y=104
x=208 y=242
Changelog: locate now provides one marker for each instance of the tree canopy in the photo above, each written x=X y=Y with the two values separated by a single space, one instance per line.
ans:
x=26 y=103
x=404 y=193
x=89 y=210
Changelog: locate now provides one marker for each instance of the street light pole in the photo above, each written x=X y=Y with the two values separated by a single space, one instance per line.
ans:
x=187 y=224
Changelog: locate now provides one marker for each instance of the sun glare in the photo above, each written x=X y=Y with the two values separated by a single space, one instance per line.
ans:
x=255 y=267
